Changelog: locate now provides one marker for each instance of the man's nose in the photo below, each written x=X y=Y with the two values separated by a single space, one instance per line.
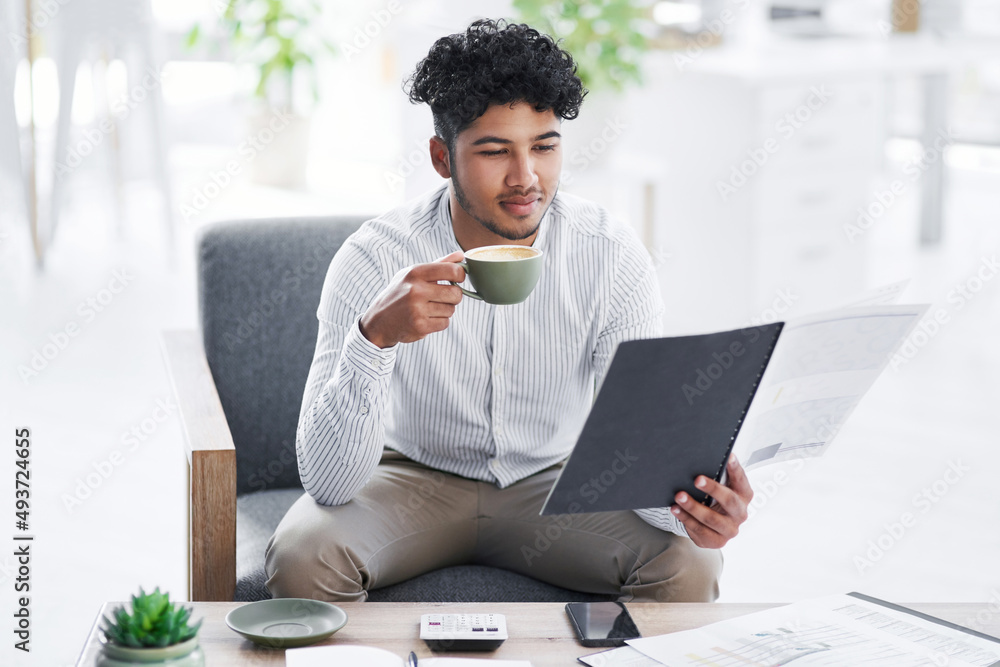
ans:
x=522 y=172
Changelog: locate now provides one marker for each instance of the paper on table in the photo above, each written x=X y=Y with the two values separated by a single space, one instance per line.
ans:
x=880 y=296
x=835 y=630
x=821 y=367
x=324 y=656
x=625 y=656
x=369 y=656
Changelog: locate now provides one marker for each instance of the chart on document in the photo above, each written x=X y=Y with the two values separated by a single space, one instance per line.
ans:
x=838 y=630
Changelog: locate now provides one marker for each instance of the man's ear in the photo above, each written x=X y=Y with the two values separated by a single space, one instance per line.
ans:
x=440 y=158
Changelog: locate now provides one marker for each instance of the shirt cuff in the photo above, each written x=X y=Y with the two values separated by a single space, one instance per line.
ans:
x=664 y=519
x=367 y=357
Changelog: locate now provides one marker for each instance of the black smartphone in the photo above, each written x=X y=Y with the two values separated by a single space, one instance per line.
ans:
x=601 y=623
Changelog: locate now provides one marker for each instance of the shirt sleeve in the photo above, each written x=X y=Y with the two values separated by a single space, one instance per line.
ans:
x=341 y=431
x=635 y=311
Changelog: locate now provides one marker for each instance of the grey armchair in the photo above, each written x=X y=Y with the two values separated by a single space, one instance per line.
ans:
x=239 y=385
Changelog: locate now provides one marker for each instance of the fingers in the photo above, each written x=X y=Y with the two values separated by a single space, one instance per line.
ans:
x=418 y=301
x=699 y=533
x=726 y=500
x=446 y=268
x=738 y=480
x=436 y=309
x=456 y=256
x=444 y=294
x=734 y=497
x=724 y=525
x=714 y=526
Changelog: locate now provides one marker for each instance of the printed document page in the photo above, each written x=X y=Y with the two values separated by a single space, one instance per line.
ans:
x=626 y=656
x=837 y=630
x=821 y=367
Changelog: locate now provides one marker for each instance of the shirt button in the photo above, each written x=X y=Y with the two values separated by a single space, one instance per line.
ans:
x=376 y=363
x=363 y=410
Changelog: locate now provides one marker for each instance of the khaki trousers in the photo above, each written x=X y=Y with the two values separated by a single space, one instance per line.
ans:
x=411 y=519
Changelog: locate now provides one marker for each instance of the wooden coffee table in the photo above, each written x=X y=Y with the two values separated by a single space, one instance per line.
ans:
x=539 y=632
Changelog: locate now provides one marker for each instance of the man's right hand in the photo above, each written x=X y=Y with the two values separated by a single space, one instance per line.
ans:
x=414 y=304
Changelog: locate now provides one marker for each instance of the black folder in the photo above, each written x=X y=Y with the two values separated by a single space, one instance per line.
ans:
x=669 y=409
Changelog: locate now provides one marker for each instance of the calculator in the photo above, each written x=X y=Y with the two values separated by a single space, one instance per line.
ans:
x=463 y=632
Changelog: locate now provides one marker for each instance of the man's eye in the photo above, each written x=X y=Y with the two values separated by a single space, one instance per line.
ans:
x=499 y=152
x=546 y=147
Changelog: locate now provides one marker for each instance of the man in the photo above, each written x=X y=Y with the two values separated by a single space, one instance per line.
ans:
x=432 y=428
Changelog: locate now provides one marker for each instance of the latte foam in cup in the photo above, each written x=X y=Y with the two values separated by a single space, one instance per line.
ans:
x=503 y=253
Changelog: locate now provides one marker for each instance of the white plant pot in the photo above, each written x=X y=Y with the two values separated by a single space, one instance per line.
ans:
x=186 y=654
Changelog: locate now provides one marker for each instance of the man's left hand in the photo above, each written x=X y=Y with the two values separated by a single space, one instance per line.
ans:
x=712 y=527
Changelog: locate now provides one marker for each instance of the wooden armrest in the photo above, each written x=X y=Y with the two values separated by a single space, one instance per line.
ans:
x=211 y=469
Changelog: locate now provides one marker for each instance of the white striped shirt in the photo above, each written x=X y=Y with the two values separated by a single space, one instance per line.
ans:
x=504 y=391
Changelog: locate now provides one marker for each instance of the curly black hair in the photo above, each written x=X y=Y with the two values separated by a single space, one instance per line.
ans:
x=494 y=62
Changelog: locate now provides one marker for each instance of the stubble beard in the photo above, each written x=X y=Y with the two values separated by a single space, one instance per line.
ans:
x=492 y=225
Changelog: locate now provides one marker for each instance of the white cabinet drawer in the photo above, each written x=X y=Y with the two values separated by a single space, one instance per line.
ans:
x=844 y=128
x=829 y=98
x=805 y=199
x=817 y=267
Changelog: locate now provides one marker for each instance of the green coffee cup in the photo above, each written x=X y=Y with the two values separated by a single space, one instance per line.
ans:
x=502 y=274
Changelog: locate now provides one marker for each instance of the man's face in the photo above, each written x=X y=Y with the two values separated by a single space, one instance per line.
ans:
x=505 y=171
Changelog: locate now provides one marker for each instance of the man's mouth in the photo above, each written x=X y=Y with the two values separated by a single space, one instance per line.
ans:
x=520 y=206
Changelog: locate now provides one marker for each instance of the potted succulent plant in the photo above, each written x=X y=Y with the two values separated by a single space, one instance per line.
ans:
x=156 y=632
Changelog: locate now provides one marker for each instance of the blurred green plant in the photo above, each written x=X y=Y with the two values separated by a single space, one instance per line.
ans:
x=279 y=37
x=605 y=37
x=154 y=622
